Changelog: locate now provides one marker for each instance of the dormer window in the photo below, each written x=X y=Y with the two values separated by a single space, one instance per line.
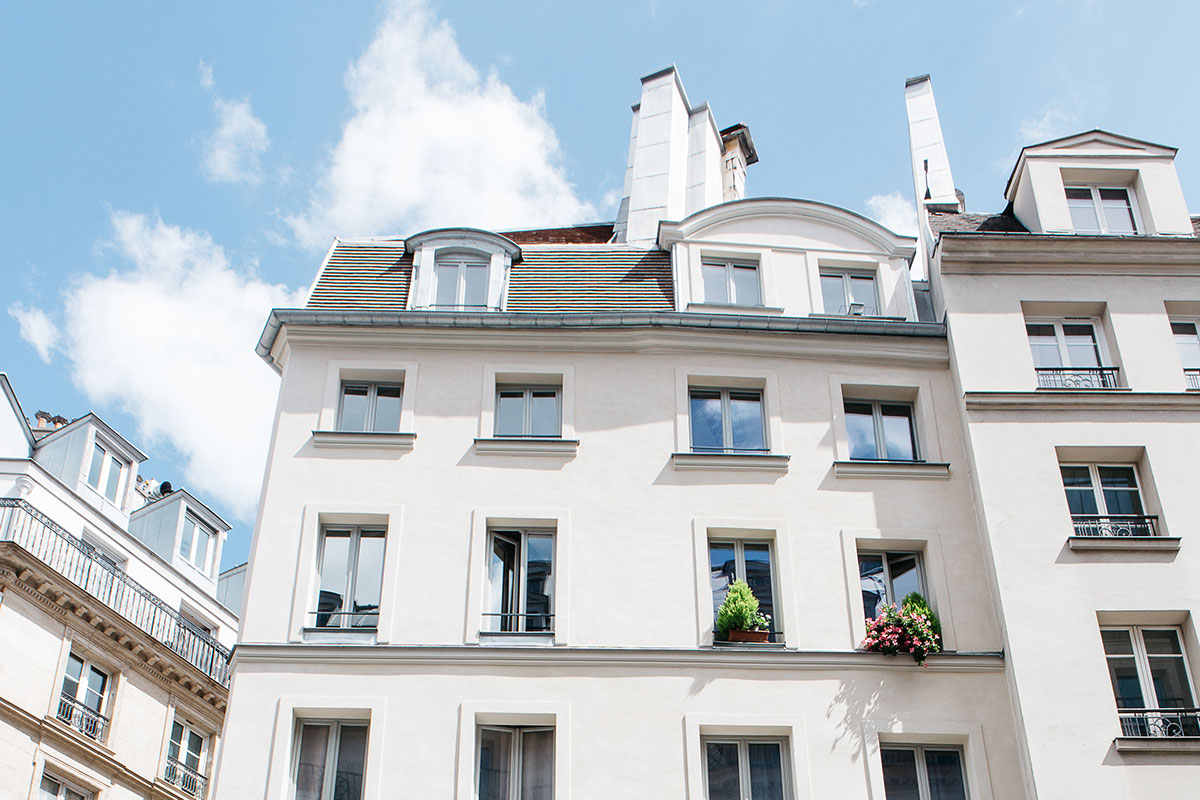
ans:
x=849 y=292
x=196 y=543
x=1101 y=210
x=106 y=473
x=461 y=282
x=731 y=282
x=460 y=269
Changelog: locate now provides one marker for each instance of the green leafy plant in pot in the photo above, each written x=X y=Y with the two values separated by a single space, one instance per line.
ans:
x=739 y=620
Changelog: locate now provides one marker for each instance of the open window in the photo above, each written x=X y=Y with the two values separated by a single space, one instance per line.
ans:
x=850 y=292
x=84 y=698
x=1151 y=681
x=187 y=758
x=351 y=577
x=750 y=560
x=520 y=581
x=514 y=763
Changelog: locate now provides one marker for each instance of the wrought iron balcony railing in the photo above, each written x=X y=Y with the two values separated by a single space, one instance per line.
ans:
x=1160 y=722
x=1077 y=377
x=24 y=525
x=184 y=777
x=1115 y=525
x=507 y=622
x=82 y=718
x=1193 y=378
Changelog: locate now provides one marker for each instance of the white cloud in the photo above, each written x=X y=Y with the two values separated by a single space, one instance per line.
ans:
x=432 y=142
x=170 y=340
x=206 y=75
x=1054 y=121
x=893 y=211
x=232 y=153
x=36 y=328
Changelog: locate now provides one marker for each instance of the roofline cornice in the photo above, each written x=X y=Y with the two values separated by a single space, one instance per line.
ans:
x=122 y=444
x=973 y=252
x=502 y=243
x=893 y=244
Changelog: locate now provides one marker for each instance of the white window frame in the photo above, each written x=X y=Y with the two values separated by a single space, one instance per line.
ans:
x=743 y=744
x=110 y=682
x=102 y=480
x=918 y=751
x=522 y=577
x=1098 y=490
x=345 y=618
x=205 y=741
x=729 y=264
x=1192 y=374
x=880 y=438
x=1098 y=208
x=103 y=552
x=739 y=569
x=848 y=298
x=461 y=260
x=889 y=589
x=726 y=420
x=331 y=752
x=372 y=398
x=210 y=551
x=1142 y=660
x=527 y=391
x=1060 y=339
x=516 y=762
x=64 y=786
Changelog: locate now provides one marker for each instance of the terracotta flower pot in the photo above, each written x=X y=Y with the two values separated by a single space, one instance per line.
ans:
x=757 y=637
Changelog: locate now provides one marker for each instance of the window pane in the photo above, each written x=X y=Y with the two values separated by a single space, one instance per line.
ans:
x=72 y=676
x=1122 y=671
x=96 y=467
x=1170 y=680
x=335 y=561
x=446 y=286
x=1119 y=485
x=1077 y=482
x=368 y=580
x=1116 y=643
x=745 y=286
x=510 y=412
x=722 y=567
x=176 y=743
x=351 y=761
x=944 y=769
x=724 y=782
x=1044 y=343
x=1118 y=213
x=539 y=582
x=495 y=755
x=860 y=430
x=715 y=290
x=310 y=769
x=746 y=422
x=872 y=581
x=900 y=775
x=1082 y=350
x=203 y=540
x=1083 y=210
x=766 y=771
x=900 y=443
x=545 y=419
x=50 y=788
x=387 y=408
x=194 y=748
x=501 y=584
x=114 y=480
x=93 y=693
x=354 y=408
x=1188 y=344
x=862 y=290
x=758 y=576
x=537 y=765
x=906 y=574
x=476 y=290
x=833 y=294
x=706 y=421
x=187 y=537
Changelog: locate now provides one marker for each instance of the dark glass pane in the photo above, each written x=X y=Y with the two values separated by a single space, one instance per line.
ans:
x=537 y=765
x=176 y=742
x=900 y=775
x=335 y=569
x=1118 y=212
x=368 y=580
x=758 y=577
x=746 y=420
x=722 y=565
x=495 y=757
x=766 y=771
x=539 y=583
x=1120 y=490
x=724 y=783
x=1044 y=343
x=706 y=421
x=72 y=676
x=1077 y=482
x=1170 y=680
x=93 y=693
x=1162 y=642
x=387 y=408
x=1117 y=642
x=745 y=286
x=860 y=430
x=1082 y=350
x=944 y=770
x=545 y=415
x=715 y=287
x=873 y=582
x=906 y=574
x=901 y=444
x=310 y=770
x=502 y=564
x=510 y=412
x=354 y=408
x=833 y=294
x=351 y=761
x=1127 y=688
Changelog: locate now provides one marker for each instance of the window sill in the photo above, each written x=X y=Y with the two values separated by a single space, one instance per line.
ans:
x=525 y=446
x=748 y=645
x=516 y=638
x=734 y=308
x=367 y=440
x=340 y=635
x=755 y=462
x=881 y=317
x=1157 y=744
x=1142 y=543
x=934 y=470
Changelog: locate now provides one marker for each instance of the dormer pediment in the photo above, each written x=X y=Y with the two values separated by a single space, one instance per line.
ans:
x=460 y=269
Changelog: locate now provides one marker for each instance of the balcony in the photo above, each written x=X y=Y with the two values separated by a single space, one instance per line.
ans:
x=1115 y=525
x=1077 y=377
x=1193 y=378
x=1159 y=723
x=82 y=718
x=41 y=537
x=185 y=778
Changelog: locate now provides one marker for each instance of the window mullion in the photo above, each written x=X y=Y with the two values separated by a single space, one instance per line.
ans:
x=726 y=421
x=520 y=574
x=1097 y=489
x=877 y=422
x=739 y=560
x=527 y=411
x=744 y=768
x=515 y=765
x=729 y=282
x=1145 y=679
x=372 y=399
x=1101 y=223
x=922 y=774
x=352 y=570
x=331 y=760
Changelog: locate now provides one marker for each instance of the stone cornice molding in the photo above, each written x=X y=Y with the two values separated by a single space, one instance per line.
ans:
x=1065 y=400
x=971 y=253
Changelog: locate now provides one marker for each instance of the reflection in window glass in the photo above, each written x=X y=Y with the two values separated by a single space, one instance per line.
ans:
x=707 y=433
x=880 y=431
x=1118 y=212
x=745 y=285
x=746 y=560
x=96 y=467
x=942 y=772
x=888 y=578
x=724 y=420
x=528 y=411
x=724 y=781
x=1083 y=209
x=715 y=289
x=351 y=578
x=387 y=408
x=331 y=761
x=741 y=768
x=520 y=581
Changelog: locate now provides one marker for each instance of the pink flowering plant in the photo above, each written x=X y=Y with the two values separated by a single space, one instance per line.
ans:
x=910 y=629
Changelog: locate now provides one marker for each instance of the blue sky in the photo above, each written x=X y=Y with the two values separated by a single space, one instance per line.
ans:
x=171 y=171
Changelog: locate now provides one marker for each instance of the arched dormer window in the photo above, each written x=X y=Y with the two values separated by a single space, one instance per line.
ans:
x=460 y=269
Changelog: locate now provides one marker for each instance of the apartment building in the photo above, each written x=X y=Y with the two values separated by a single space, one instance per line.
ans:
x=513 y=474
x=114 y=681
x=1072 y=320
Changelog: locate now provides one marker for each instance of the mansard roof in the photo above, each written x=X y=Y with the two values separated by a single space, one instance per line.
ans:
x=961 y=222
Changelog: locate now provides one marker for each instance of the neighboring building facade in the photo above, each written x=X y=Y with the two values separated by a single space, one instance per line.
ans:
x=115 y=680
